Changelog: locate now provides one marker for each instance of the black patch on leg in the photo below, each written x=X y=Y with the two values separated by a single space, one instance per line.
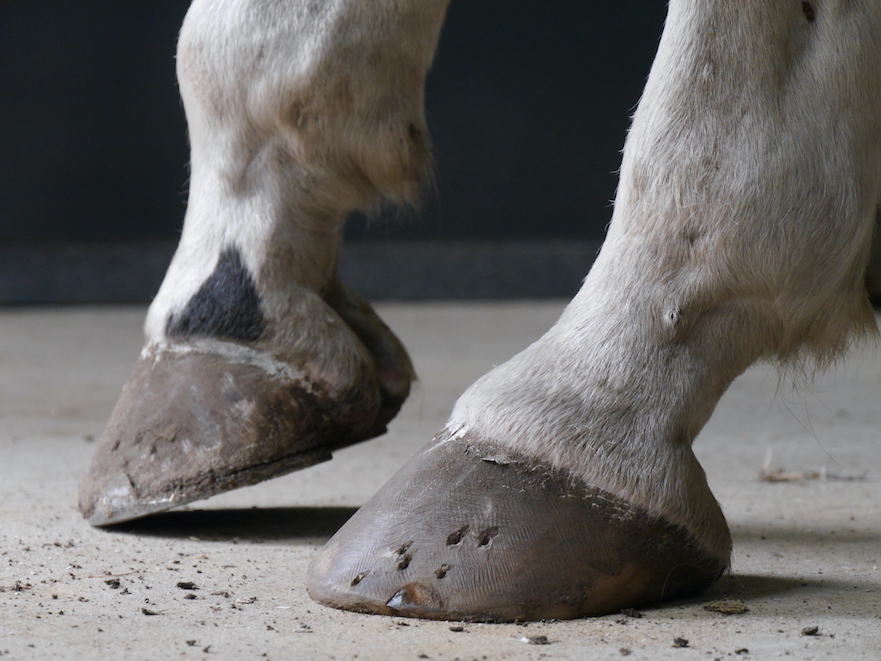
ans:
x=226 y=306
x=808 y=10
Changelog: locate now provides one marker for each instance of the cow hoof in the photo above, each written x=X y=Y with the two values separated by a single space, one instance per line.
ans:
x=205 y=416
x=465 y=532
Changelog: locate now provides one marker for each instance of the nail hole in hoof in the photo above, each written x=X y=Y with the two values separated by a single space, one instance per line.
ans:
x=360 y=577
x=456 y=537
x=405 y=562
x=484 y=538
x=442 y=571
x=403 y=548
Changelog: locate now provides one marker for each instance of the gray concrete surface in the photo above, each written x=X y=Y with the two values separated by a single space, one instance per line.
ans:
x=807 y=549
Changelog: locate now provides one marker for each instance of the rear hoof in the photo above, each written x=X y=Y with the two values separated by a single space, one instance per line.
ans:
x=206 y=417
x=465 y=533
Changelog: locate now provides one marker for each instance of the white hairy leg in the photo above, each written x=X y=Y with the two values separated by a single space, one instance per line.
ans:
x=258 y=360
x=564 y=483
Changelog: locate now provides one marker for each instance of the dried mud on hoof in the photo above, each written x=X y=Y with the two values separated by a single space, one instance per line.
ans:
x=466 y=532
x=208 y=417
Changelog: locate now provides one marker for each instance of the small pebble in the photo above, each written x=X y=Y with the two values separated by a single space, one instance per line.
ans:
x=631 y=612
x=727 y=607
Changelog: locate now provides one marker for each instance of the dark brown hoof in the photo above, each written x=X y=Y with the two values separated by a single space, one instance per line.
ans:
x=464 y=532
x=208 y=417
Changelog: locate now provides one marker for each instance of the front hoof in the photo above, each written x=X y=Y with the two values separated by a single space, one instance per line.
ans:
x=202 y=418
x=464 y=532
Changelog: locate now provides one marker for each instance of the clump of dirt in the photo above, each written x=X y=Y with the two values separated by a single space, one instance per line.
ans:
x=727 y=607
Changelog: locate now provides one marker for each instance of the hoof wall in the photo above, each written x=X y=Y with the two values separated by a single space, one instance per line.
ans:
x=465 y=533
x=190 y=424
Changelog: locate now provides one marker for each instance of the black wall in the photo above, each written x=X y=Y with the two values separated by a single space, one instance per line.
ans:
x=528 y=110
x=92 y=135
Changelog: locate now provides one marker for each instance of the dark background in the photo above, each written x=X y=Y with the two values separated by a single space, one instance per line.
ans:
x=528 y=110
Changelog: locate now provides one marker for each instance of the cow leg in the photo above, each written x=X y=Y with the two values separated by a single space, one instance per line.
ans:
x=564 y=483
x=258 y=361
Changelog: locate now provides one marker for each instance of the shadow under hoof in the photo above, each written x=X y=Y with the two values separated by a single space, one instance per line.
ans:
x=745 y=587
x=751 y=586
x=816 y=536
x=273 y=524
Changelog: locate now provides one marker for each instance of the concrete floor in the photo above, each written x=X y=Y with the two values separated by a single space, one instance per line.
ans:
x=807 y=551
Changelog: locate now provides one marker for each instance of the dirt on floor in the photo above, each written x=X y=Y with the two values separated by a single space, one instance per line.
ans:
x=798 y=473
